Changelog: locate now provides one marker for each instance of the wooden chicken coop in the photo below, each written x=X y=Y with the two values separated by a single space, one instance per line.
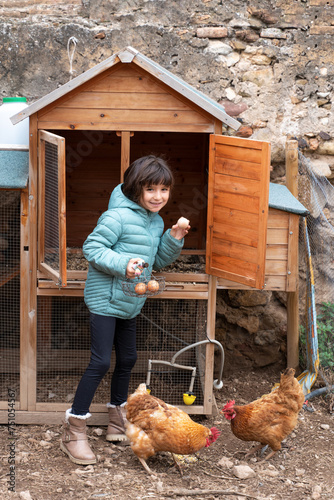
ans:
x=83 y=136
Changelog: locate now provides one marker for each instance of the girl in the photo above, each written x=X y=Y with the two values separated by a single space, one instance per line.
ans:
x=129 y=232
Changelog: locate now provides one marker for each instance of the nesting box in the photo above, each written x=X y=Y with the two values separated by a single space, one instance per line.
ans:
x=83 y=136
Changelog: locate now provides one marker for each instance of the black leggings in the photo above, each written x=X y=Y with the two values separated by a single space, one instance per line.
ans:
x=107 y=331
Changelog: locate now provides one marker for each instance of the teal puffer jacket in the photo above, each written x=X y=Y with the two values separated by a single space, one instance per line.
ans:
x=124 y=231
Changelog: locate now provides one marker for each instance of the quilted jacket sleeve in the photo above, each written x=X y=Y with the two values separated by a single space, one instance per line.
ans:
x=97 y=248
x=169 y=249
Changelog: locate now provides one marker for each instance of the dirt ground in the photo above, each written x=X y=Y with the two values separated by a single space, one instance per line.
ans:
x=302 y=470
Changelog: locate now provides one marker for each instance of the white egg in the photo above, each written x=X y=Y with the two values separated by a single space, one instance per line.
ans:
x=183 y=223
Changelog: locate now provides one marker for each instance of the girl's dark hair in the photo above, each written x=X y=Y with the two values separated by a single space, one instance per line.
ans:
x=146 y=171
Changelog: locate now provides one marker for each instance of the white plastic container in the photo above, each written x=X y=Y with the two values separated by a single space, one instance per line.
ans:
x=10 y=134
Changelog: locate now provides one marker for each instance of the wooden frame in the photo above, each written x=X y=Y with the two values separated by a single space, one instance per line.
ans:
x=59 y=276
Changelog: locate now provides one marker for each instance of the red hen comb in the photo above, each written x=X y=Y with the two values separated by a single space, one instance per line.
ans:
x=215 y=434
x=229 y=405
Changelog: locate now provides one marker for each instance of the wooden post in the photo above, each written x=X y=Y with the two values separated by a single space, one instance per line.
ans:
x=291 y=158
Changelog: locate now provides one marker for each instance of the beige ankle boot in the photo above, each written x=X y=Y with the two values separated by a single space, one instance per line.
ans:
x=74 y=440
x=117 y=425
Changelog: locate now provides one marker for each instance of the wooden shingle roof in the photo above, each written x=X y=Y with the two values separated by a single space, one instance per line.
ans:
x=131 y=55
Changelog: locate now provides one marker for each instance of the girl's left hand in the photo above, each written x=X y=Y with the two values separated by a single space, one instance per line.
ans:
x=178 y=233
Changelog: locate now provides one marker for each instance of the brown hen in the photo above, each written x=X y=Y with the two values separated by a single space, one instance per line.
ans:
x=269 y=419
x=155 y=426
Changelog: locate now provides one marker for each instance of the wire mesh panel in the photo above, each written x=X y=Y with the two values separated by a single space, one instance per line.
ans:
x=317 y=195
x=9 y=293
x=51 y=228
x=164 y=327
x=63 y=347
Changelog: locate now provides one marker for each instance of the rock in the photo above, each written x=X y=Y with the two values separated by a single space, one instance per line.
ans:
x=225 y=462
x=271 y=473
x=243 y=471
x=273 y=33
x=233 y=109
x=324 y=136
x=261 y=60
x=247 y=35
x=321 y=167
x=244 y=131
x=259 y=124
x=327 y=148
x=98 y=431
x=313 y=144
x=260 y=77
x=263 y=14
x=316 y=492
x=208 y=32
x=218 y=48
x=25 y=495
x=325 y=427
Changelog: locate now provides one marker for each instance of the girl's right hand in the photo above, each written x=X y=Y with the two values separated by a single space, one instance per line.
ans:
x=132 y=272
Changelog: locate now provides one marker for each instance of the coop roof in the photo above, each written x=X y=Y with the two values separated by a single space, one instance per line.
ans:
x=282 y=199
x=14 y=168
x=131 y=55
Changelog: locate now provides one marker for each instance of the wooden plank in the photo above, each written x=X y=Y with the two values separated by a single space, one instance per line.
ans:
x=41 y=199
x=121 y=116
x=125 y=153
x=49 y=273
x=236 y=201
x=238 y=168
x=276 y=267
x=125 y=100
x=246 y=236
x=292 y=260
x=24 y=294
x=129 y=126
x=234 y=249
x=278 y=218
x=238 y=153
x=278 y=252
x=239 y=185
x=28 y=358
x=56 y=417
x=271 y=283
x=62 y=210
x=209 y=351
x=277 y=236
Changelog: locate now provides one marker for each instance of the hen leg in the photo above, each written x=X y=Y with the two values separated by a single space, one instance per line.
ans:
x=271 y=454
x=146 y=467
x=253 y=450
x=177 y=463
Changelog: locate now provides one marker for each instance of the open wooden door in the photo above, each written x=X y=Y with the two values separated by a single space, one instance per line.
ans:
x=52 y=207
x=238 y=196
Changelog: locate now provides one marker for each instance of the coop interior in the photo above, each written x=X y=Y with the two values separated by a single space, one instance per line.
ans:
x=167 y=323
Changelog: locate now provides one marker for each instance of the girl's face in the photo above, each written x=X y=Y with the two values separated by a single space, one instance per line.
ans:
x=154 y=197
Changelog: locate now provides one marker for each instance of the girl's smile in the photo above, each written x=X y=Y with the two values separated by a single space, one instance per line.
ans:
x=154 y=197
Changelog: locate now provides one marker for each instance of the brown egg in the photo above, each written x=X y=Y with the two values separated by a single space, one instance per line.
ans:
x=140 y=288
x=153 y=286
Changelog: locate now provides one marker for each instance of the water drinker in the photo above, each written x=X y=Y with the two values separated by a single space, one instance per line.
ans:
x=18 y=134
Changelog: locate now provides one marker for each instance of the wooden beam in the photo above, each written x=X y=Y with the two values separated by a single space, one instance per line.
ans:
x=291 y=158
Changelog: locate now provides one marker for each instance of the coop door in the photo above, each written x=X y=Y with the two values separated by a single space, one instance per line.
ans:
x=238 y=196
x=52 y=207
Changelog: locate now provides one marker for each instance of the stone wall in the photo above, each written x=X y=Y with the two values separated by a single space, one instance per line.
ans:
x=270 y=63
